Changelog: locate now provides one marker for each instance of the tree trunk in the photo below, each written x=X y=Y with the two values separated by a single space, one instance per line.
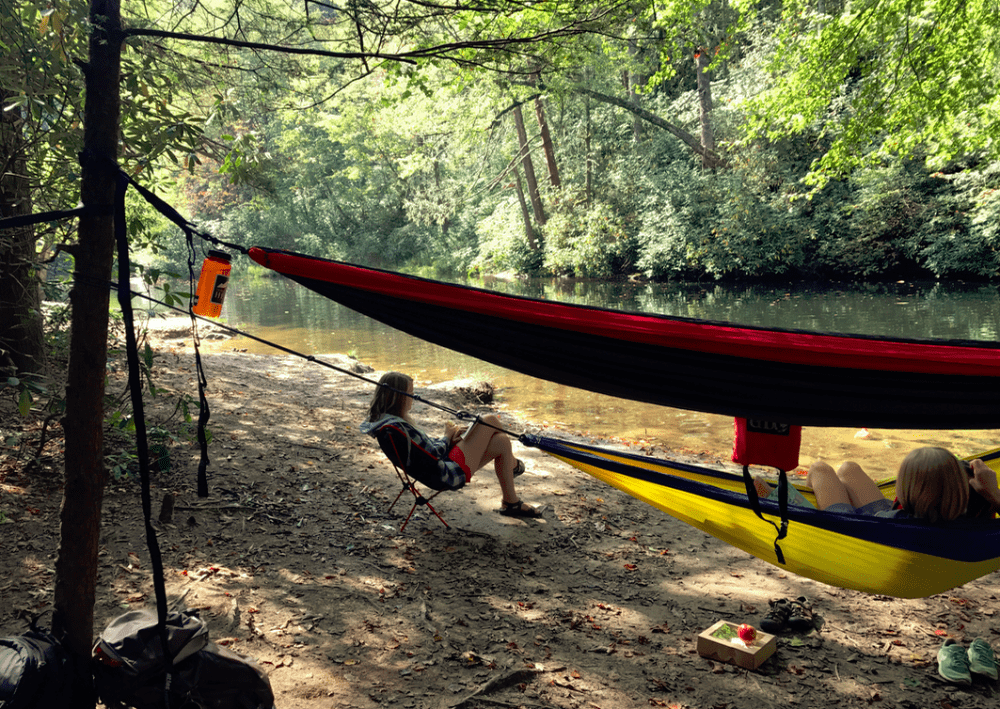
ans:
x=701 y=62
x=547 y=145
x=80 y=516
x=629 y=80
x=529 y=231
x=529 y=168
x=588 y=156
x=445 y=220
x=22 y=344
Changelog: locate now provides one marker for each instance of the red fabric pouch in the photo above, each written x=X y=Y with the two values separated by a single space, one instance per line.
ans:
x=758 y=442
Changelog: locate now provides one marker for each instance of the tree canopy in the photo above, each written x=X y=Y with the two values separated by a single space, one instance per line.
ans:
x=883 y=79
x=386 y=131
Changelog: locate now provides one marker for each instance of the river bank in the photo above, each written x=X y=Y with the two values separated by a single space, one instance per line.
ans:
x=296 y=560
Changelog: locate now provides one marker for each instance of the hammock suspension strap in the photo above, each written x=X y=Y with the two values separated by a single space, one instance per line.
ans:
x=782 y=507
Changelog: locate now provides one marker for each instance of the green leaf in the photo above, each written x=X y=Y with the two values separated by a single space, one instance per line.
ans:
x=24 y=402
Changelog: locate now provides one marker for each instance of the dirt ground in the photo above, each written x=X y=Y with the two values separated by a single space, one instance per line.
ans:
x=295 y=559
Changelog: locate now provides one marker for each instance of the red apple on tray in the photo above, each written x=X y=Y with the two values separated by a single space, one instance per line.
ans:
x=747 y=633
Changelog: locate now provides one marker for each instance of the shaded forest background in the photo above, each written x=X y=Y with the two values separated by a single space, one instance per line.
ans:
x=664 y=141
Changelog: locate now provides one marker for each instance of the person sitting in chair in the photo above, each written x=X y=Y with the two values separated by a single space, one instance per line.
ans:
x=458 y=454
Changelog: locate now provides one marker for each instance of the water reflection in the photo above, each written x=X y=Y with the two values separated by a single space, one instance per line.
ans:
x=282 y=311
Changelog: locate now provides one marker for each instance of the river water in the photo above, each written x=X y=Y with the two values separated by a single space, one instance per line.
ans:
x=281 y=311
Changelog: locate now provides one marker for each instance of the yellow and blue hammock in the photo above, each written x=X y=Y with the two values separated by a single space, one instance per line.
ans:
x=902 y=558
x=789 y=376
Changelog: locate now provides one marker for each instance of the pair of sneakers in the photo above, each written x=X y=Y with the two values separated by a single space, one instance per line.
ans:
x=786 y=614
x=956 y=664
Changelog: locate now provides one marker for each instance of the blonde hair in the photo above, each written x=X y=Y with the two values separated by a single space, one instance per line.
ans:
x=931 y=485
x=390 y=395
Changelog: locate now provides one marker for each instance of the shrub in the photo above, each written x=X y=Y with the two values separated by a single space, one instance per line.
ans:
x=589 y=242
x=736 y=222
x=502 y=245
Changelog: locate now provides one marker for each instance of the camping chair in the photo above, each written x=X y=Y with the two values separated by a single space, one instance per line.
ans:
x=399 y=449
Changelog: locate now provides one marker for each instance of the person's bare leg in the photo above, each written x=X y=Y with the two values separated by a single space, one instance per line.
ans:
x=826 y=485
x=485 y=443
x=478 y=441
x=503 y=463
x=860 y=488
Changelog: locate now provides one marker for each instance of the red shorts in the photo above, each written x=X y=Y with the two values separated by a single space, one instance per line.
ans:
x=456 y=455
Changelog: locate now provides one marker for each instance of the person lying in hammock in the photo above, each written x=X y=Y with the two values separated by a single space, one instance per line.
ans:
x=932 y=484
x=459 y=453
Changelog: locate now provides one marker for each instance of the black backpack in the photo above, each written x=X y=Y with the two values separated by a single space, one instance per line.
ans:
x=217 y=678
x=36 y=672
x=130 y=669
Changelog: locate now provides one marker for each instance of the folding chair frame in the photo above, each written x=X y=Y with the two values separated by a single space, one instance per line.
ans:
x=409 y=484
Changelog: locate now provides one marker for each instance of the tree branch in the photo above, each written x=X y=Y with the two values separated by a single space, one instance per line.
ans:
x=138 y=32
x=711 y=158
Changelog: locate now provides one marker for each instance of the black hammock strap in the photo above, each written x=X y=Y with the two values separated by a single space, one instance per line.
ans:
x=55 y=216
x=457 y=413
x=782 y=530
x=139 y=416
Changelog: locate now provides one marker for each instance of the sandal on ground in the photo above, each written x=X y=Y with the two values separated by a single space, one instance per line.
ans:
x=953 y=663
x=518 y=467
x=800 y=619
x=776 y=620
x=517 y=509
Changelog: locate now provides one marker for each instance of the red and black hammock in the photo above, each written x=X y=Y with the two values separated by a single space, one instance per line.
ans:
x=791 y=376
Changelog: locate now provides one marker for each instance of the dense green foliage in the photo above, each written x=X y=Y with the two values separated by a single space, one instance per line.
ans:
x=850 y=140
x=884 y=79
